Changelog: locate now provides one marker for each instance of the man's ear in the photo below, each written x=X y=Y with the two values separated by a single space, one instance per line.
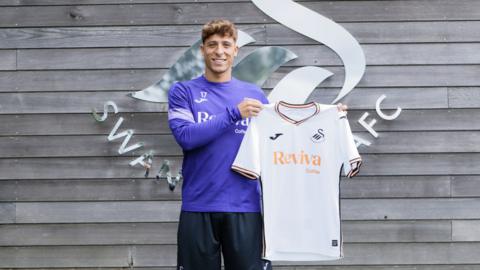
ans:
x=236 y=50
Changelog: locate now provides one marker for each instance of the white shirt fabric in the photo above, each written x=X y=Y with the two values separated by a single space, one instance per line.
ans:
x=298 y=151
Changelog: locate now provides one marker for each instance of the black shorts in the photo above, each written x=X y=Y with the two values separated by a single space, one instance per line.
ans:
x=202 y=237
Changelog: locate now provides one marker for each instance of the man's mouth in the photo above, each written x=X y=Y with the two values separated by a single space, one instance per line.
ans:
x=219 y=60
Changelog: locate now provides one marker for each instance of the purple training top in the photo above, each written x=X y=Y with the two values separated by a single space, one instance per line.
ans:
x=207 y=124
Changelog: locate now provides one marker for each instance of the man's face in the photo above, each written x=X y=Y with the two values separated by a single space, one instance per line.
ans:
x=219 y=53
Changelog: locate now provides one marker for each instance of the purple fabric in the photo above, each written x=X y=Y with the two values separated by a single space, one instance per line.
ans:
x=207 y=124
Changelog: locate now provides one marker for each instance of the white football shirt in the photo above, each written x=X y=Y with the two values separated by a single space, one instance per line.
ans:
x=298 y=151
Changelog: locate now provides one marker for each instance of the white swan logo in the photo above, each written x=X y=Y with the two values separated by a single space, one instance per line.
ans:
x=303 y=80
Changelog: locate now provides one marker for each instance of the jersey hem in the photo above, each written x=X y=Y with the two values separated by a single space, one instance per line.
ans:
x=219 y=209
x=245 y=172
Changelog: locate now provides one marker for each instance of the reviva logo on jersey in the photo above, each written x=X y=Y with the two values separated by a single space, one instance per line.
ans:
x=302 y=158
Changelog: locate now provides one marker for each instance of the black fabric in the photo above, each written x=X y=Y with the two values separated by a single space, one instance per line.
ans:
x=202 y=237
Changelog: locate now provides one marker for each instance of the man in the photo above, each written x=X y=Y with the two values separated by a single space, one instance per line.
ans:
x=208 y=117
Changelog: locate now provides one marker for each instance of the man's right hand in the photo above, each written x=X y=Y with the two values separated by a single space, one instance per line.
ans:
x=249 y=107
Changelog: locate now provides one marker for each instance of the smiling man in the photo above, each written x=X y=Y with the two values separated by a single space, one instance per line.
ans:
x=208 y=117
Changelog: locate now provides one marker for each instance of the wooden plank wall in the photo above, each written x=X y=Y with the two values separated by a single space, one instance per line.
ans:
x=69 y=200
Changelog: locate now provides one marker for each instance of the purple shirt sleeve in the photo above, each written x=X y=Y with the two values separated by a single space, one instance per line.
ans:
x=189 y=134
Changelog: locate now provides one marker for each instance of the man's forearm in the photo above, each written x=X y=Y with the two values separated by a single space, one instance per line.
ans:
x=190 y=135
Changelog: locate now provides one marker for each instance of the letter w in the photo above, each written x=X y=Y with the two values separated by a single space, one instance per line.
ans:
x=127 y=134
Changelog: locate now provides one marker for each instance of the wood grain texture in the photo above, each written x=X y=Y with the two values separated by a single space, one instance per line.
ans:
x=7 y=213
x=466 y=230
x=127 y=58
x=81 y=124
x=8 y=60
x=164 y=145
x=157 y=123
x=148 y=189
x=88 y=190
x=154 y=233
x=117 y=167
x=81 y=212
x=66 y=256
x=464 y=97
x=88 y=234
x=86 y=146
x=466 y=186
x=264 y=34
x=84 y=102
x=409 y=209
x=388 y=32
x=161 y=255
x=416 y=76
x=198 y=13
x=79 y=168
x=374 y=254
x=414 y=205
x=420 y=164
x=167 y=211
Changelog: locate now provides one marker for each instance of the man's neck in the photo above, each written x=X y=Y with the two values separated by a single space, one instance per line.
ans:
x=212 y=77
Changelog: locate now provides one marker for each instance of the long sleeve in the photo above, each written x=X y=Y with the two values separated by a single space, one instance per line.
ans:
x=188 y=133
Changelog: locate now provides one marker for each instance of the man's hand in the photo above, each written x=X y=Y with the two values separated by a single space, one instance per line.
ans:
x=342 y=107
x=249 y=107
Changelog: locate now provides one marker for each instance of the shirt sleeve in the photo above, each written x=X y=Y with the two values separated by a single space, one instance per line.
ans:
x=350 y=157
x=189 y=134
x=247 y=161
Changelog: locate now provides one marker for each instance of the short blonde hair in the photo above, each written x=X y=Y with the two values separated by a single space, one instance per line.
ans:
x=221 y=27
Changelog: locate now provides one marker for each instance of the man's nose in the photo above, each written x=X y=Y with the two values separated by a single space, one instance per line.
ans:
x=219 y=50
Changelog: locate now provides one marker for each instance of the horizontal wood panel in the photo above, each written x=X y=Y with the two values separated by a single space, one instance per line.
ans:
x=7 y=213
x=166 y=233
x=75 y=102
x=422 y=142
x=405 y=186
x=117 y=167
x=98 y=146
x=89 y=190
x=464 y=97
x=66 y=256
x=466 y=230
x=164 y=255
x=466 y=186
x=82 y=212
x=83 y=124
x=80 y=168
x=407 y=209
x=199 y=13
x=133 y=80
x=264 y=34
x=369 y=254
x=79 y=80
x=396 y=231
x=167 y=211
x=157 y=123
x=84 y=102
x=152 y=189
x=8 y=60
x=126 y=58
x=88 y=234
x=430 y=120
x=420 y=164
x=78 y=146
x=387 y=32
